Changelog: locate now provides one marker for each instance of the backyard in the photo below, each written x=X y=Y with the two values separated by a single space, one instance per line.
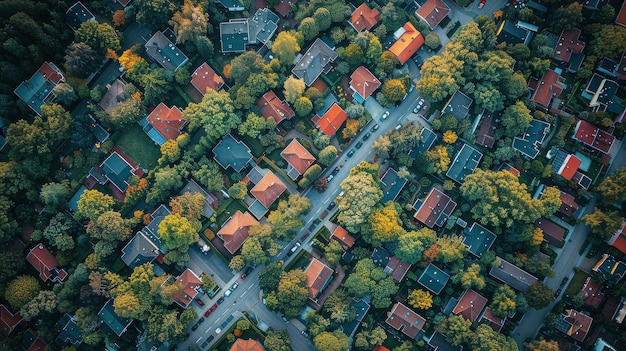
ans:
x=138 y=146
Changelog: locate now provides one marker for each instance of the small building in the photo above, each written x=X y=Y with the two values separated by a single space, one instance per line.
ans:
x=332 y=120
x=235 y=231
x=408 y=41
x=69 y=331
x=612 y=269
x=189 y=283
x=618 y=240
x=528 y=144
x=164 y=52
x=78 y=14
x=231 y=5
x=268 y=189
x=592 y=293
x=602 y=94
x=262 y=26
x=512 y=275
x=273 y=107
x=594 y=137
x=438 y=342
x=620 y=70
x=364 y=18
x=391 y=185
x=46 y=264
x=403 y=319
x=8 y=320
x=38 y=89
x=496 y=323
x=434 y=279
x=117 y=170
x=116 y=323
x=139 y=250
x=464 y=164
x=124 y=3
x=458 y=105
x=343 y=237
x=487 y=130
x=363 y=83
x=552 y=232
x=32 y=342
x=621 y=16
x=514 y=33
x=114 y=95
x=565 y=164
x=298 y=158
x=284 y=7
x=234 y=35
x=569 y=206
x=547 y=89
x=478 y=239
x=204 y=77
x=209 y=199
x=361 y=307
x=164 y=123
x=568 y=49
x=318 y=59
x=151 y=231
x=433 y=12
x=470 y=305
x=247 y=345
x=575 y=324
x=230 y=152
x=428 y=138
x=435 y=209
x=392 y=265
x=318 y=276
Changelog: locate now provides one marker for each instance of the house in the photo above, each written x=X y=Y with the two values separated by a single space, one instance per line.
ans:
x=458 y=105
x=496 y=323
x=408 y=41
x=284 y=7
x=318 y=276
x=262 y=26
x=247 y=345
x=552 y=232
x=115 y=169
x=32 y=342
x=235 y=231
x=569 y=207
x=114 y=95
x=464 y=164
x=618 y=240
x=568 y=49
x=402 y=318
x=478 y=239
x=317 y=59
x=78 y=14
x=38 y=89
x=608 y=67
x=332 y=120
x=620 y=70
x=268 y=189
x=139 y=250
x=69 y=331
x=364 y=18
x=515 y=33
x=230 y=152
x=204 y=77
x=161 y=49
x=602 y=94
x=392 y=265
x=363 y=83
x=435 y=209
x=612 y=269
x=298 y=158
x=234 y=35
x=164 y=123
x=621 y=16
x=209 y=199
x=592 y=293
x=391 y=185
x=433 y=12
x=151 y=231
x=428 y=138
x=438 y=342
x=189 y=283
x=512 y=275
x=574 y=324
x=361 y=307
x=565 y=164
x=545 y=90
x=594 y=137
x=231 y=5
x=273 y=107
x=116 y=323
x=434 y=279
x=343 y=237
x=8 y=320
x=528 y=144
x=487 y=130
x=124 y=3
x=470 y=305
x=46 y=264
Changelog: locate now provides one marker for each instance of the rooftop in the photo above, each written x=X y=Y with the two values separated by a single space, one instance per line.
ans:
x=496 y=323
x=458 y=105
x=268 y=189
x=487 y=131
x=548 y=87
x=235 y=231
x=117 y=170
x=209 y=199
x=565 y=164
x=114 y=95
x=618 y=240
x=528 y=144
x=8 y=320
x=343 y=237
x=116 y=323
x=470 y=305
x=392 y=265
x=332 y=120
x=407 y=43
x=38 y=89
x=512 y=33
x=316 y=60
x=231 y=5
x=569 y=44
x=164 y=52
x=403 y=319
x=612 y=269
x=318 y=275
x=204 y=77
x=568 y=205
x=69 y=331
x=593 y=136
x=46 y=264
x=78 y=14
x=435 y=209
x=230 y=152
x=262 y=26
x=391 y=185
x=272 y=107
x=364 y=18
x=363 y=83
x=247 y=345
x=478 y=239
x=465 y=162
x=189 y=282
x=428 y=138
x=603 y=94
x=433 y=12
x=575 y=324
x=298 y=158
x=438 y=342
x=552 y=232
x=168 y=122
x=434 y=279
x=592 y=293
x=139 y=250
x=513 y=276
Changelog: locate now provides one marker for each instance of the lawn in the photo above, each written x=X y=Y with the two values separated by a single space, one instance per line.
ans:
x=138 y=146
x=576 y=283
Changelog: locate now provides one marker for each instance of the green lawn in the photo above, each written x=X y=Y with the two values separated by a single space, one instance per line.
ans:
x=576 y=283
x=138 y=146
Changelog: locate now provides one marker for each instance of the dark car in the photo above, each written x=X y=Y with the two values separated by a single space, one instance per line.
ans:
x=214 y=307
x=358 y=145
x=374 y=128
x=366 y=136
x=200 y=302
x=220 y=300
x=557 y=293
x=207 y=313
x=335 y=171
x=245 y=274
x=350 y=153
x=201 y=320
x=195 y=326
x=331 y=205
x=564 y=281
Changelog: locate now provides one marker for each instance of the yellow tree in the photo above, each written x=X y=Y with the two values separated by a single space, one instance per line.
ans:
x=440 y=157
x=189 y=22
x=383 y=225
x=470 y=278
x=294 y=88
x=503 y=301
x=537 y=237
x=285 y=47
x=450 y=248
x=352 y=126
x=450 y=137
x=421 y=299
x=128 y=60
x=170 y=152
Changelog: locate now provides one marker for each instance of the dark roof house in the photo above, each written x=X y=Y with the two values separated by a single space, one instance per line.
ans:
x=364 y=18
x=458 y=105
x=230 y=152
x=433 y=12
x=612 y=269
x=487 y=130
x=464 y=164
x=402 y=318
x=317 y=59
x=513 y=276
x=46 y=264
x=78 y=14
x=478 y=239
x=602 y=93
x=114 y=95
x=391 y=185
x=496 y=323
x=116 y=323
x=438 y=342
x=69 y=331
x=470 y=305
x=514 y=33
x=139 y=250
x=234 y=35
x=161 y=49
x=118 y=170
x=428 y=138
x=592 y=293
x=552 y=232
x=38 y=89
x=435 y=209
x=434 y=279
x=392 y=265
x=231 y=5
x=528 y=144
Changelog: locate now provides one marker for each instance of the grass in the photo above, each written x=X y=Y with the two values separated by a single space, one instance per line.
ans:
x=138 y=146
x=576 y=283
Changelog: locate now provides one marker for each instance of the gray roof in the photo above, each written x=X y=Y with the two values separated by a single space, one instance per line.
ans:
x=427 y=140
x=231 y=5
x=513 y=276
x=78 y=14
x=164 y=52
x=512 y=34
x=117 y=324
x=152 y=229
x=117 y=170
x=193 y=187
x=439 y=343
x=478 y=239
x=139 y=250
x=603 y=93
x=530 y=141
x=38 y=89
x=230 y=152
x=458 y=105
x=465 y=163
x=434 y=278
x=262 y=26
x=69 y=332
x=314 y=61
x=391 y=184
x=234 y=35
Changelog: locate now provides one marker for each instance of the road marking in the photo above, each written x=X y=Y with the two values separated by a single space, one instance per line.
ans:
x=326 y=201
x=307 y=222
x=207 y=330
x=200 y=338
x=243 y=294
x=251 y=286
x=318 y=210
x=336 y=191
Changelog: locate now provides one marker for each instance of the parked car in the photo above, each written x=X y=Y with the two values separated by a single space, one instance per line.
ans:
x=331 y=205
x=207 y=313
x=335 y=171
x=350 y=153
x=227 y=293
x=564 y=281
x=358 y=145
x=481 y=4
x=234 y=286
x=214 y=307
x=384 y=116
x=245 y=274
x=374 y=128
x=329 y=178
x=221 y=299
x=195 y=326
x=366 y=136
x=557 y=293
x=200 y=302
x=201 y=290
x=294 y=248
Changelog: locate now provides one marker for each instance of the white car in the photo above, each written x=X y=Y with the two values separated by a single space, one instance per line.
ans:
x=218 y=330
x=227 y=293
x=384 y=116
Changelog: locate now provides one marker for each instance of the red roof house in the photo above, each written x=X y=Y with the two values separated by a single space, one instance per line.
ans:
x=363 y=83
x=8 y=320
x=402 y=318
x=593 y=136
x=364 y=18
x=547 y=88
x=470 y=305
x=332 y=120
x=204 y=77
x=343 y=237
x=568 y=204
x=569 y=167
x=408 y=41
x=435 y=209
x=496 y=323
x=167 y=121
x=268 y=189
x=433 y=12
x=618 y=240
x=271 y=106
x=552 y=232
x=189 y=282
x=318 y=275
x=284 y=7
x=298 y=158
x=578 y=324
x=569 y=43
x=247 y=345
x=235 y=231
x=46 y=264
x=621 y=16
x=592 y=293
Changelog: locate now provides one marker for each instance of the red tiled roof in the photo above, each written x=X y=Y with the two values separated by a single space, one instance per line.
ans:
x=268 y=189
x=398 y=268
x=46 y=264
x=436 y=204
x=380 y=348
x=494 y=321
x=591 y=293
x=547 y=88
x=568 y=204
x=593 y=136
x=364 y=18
x=189 y=281
x=38 y=345
x=364 y=82
x=51 y=73
x=552 y=232
x=470 y=305
x=569 y=167
x=580 y=325
x=568 y=44
x=247 y=345
x=205 y=77
x=284 y=7
x=403 y=319
x=433 y=12
x=407 y=44
x=345 y=239
x=297 y=156
x=317 y=275
x=486 y=133
x=621 y=16
x=8 y=320
x=168 y=121
x=235 y=231
x=271 y=106
x=332 y=120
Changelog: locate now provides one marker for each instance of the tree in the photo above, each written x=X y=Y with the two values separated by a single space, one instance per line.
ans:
x=550 y=200
x=411 y=245
x=303 y=106
x=457 y=329
x=308 y=28
x=421 y=299
x=382 y=146
x=432 y=40
x=21 y=290
x=539 y=296
x=54 y=195
x=361 y=193
x=277 y=340
x=603 y=223
x=190 y=22
x=81 y=59
x=59 y=232
x=44 y=301
x=154 y=14
x=189 y=205
x=244 y=65
x=322 y=19
x=285 y=47
x=292 y=292
x=516 y=118
x=503 y=302
x=126 y=112
x=542 y=345
x=119 y=18
x=368 y=340
x=383 y=225
x=294 y=88
x=470 y=278
x=253 y=125
x=170 y=152
x=133 y=63
x=335 y=341
x=374 y=49
x=369 y=279
x=252 y=252
x=567 y=17
x=392 y=17
x=269 y=277
x=92 y=203
x=451 y=248
x=238 y=190
x=215 y=113
x=156 y=85
x=209 y=175
x=177 y=234
x=608 y=41
x=237 y=263
x=327 y=155
x=100 y=36
x=486 y=339
x=65 y=94
x=286 y=219
x=393 y=90
x=439 y=157
x=449 y=137
x=613 y=187
x=310 y=175
x=12 y=263
x=166 y=180
x=354 y=55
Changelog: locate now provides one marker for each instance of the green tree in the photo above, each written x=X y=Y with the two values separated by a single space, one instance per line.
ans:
x=190 y=22
x=393 y=90
x=539 y=296
x=252 y=252
x=208 y=174
x=486 y=339
x=237 y=262
x=354 y=55
x=383 y=225
x=253 y=125
x=21 y=290
x=44 y=301
x=503 y=303
x=361 y=193
x=367 y=340
x=451 y=248
x=613 y=187
x=269 y=277
x=12 y=263
x=166 y=180
x=59 y=232
x=125 y=113
x=412 y=244
x=432 y=40
x=285 y=47
x=215 y=114
x=303 y=106
x=606 y=14
x=327 y=155
x=154 y=14
x=374 y=49
x=55 y=195
x=608 y=41
x=310 y=175
x=65 y=94
x=335 y=341
x=369 y=279
x=156 y=85
x=322 y=19
x=470 y=278
x=516 y=118
x=81 y=59
x=292 y=292
x=392 y=17
x=286 y=219
x=294 y=88
x=277 y=340
x=438 y=78
x=603 y=223
x=567 y=17
x=457 y=329
x=92 y=203
x=542 y=345
x=177 y=234
x=308 y=28
x=238 y=190
x=100 y=36
x=244 y=65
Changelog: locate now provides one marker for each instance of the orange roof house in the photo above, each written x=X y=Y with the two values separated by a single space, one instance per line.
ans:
x=46 y=264
x=364 y=18
x=204 y=77
x=247 y=345
x=569 y=167
x=298 y=158
x=576 y=324
x=408 y=41
x=167 y=121
x=318 y=275
x=343 y=237
x=268 y=189
x=189 y=282
x=403 y=319
x=470 y=305
x=618 y=240
x=433 y=12
x=235 y=231
x=363 y=83
x=621 y=16
x=332 y=120
x=271 y=106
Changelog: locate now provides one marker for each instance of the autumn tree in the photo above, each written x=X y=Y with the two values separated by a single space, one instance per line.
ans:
x=516 y=118
x=335 y=341
x=613 y=188
x=119 y=18
x=126 y=112
x=503 y=303
x=177 y=233
x=411 y=245
x=277 y=340
x=393 y=90
x=21 y=290
x=451 y=248
x=361 y=193
x=603 y=223
x=303 y=106
x=285 y=47
x=238 y=262
x=133 y=63
x=539 y=296
x=470 y=278
x=92 y=203
x=383 y=225
x=486 y=339
x=374 y=49
x=440 y=158
x=327 y=155
x=542 y=345
x=308 y=28
x=189 y=205
x=189 y=22
x=286 y=219
x=421 y=299
x=294 y=88
x=450 y=137
x=292 y=292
